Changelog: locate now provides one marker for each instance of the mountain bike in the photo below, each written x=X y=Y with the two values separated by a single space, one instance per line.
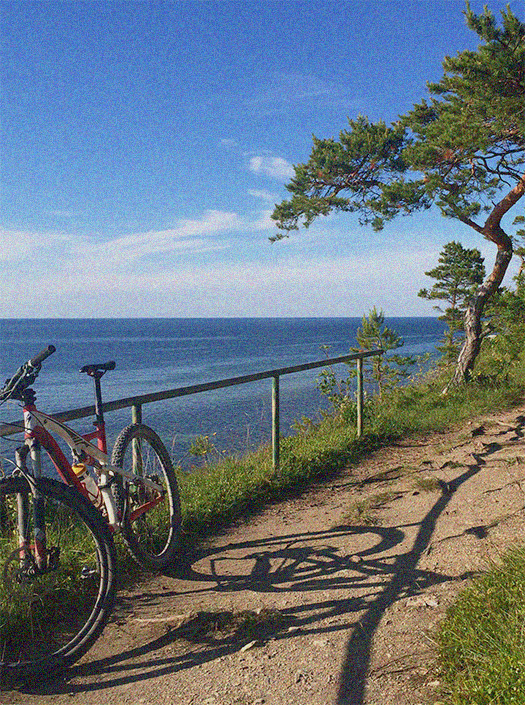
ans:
x=57 y=558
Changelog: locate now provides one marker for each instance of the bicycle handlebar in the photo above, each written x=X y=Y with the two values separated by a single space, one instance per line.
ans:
x=25 y=375
x=42 y=355
x=100 y=367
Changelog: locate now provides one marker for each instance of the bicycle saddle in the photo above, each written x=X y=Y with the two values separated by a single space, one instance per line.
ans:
x=98 y=368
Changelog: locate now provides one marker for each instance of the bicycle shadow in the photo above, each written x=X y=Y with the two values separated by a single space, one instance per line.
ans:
x=352 y=681
x=301 y=562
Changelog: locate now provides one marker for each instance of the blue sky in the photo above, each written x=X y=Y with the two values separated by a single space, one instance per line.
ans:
x=144 y=144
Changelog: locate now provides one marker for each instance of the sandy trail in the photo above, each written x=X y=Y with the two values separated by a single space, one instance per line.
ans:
x=329 y=598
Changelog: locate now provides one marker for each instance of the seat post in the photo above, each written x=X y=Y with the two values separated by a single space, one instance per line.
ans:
x=99 y=412
x=96 y=371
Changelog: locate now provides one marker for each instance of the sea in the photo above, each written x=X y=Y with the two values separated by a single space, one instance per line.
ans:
x=155 y=354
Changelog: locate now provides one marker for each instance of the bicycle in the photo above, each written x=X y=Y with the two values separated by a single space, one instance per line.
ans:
x=56 y=536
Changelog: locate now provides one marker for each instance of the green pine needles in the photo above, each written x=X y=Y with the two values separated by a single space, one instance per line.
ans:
x=460 y=151
x=459 y=272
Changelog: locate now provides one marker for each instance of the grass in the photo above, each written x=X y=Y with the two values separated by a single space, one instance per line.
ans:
x=234 y=626
x=427 y=484
x=365 y=511
x=218 y=494
x=41 y=611
x=482 y=639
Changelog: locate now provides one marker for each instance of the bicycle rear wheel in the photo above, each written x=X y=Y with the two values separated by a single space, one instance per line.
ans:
x=50 y=615
x=151 y=525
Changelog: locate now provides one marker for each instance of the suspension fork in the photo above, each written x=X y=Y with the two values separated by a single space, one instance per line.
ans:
x=39 y=552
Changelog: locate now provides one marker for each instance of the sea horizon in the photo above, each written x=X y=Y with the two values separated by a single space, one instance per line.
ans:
x=199 y=318
x=158 y=353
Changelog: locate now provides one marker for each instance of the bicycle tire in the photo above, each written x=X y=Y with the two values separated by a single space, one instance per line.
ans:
x=50 y=619
x=152 y=538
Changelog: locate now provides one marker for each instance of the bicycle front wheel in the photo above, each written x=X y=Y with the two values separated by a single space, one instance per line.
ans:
x=152 y=518
x=57 y=590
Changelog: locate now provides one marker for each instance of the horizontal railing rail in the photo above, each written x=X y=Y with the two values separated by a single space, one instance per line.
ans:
x=136 y=402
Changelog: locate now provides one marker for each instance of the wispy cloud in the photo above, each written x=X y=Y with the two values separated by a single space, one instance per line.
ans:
x=229 y=143
x=280 y=281
x=70 y=250
x=282 y=90
x=266 y=196
x=275 y=167
x=216 y=264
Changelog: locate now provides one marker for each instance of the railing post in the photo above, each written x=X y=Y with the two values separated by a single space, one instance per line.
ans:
x=360 y=397
x=136 y=413
x=275 y=422
x=136 y=454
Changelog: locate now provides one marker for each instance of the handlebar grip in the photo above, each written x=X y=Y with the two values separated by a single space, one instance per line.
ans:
x=35 y=361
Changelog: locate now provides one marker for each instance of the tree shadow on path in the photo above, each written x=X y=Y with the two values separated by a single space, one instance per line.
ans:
x=358 y=652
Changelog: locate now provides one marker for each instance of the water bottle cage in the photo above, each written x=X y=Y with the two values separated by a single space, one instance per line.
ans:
x=80 y=456
x=108 y=483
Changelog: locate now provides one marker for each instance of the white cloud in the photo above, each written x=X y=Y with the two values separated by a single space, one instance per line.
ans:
x=189 y=235
x=229 y=143
x=327 y=270
x=275 y=167
x=279 y=282
x=282 y=90
x=265 y=196
x=68 y=252
x=15 y=245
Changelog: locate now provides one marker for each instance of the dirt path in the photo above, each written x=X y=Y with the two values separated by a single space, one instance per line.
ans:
x=328 y=599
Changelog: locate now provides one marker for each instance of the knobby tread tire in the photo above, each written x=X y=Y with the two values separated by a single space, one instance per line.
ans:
x=121 y=457
x=75 y=504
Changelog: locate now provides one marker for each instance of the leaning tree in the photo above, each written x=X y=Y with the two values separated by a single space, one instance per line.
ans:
x=461 y=151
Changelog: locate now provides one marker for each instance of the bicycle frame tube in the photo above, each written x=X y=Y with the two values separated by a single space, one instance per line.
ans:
x=75 y=441
x=40 y=426
x=36 y=436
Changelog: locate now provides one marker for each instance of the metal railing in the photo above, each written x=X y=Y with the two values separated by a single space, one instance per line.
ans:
x=136 y=402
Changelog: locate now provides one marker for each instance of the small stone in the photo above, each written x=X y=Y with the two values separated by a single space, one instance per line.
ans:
x=423 y=601
x=248 y=646
x=320 y=642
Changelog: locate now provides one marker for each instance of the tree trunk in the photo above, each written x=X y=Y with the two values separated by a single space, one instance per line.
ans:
x=492 y=231
x=473 y=316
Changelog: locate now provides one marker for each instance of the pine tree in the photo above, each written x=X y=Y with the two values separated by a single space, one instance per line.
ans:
x=462 y=152
x=385 y=371
x=459 y=272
